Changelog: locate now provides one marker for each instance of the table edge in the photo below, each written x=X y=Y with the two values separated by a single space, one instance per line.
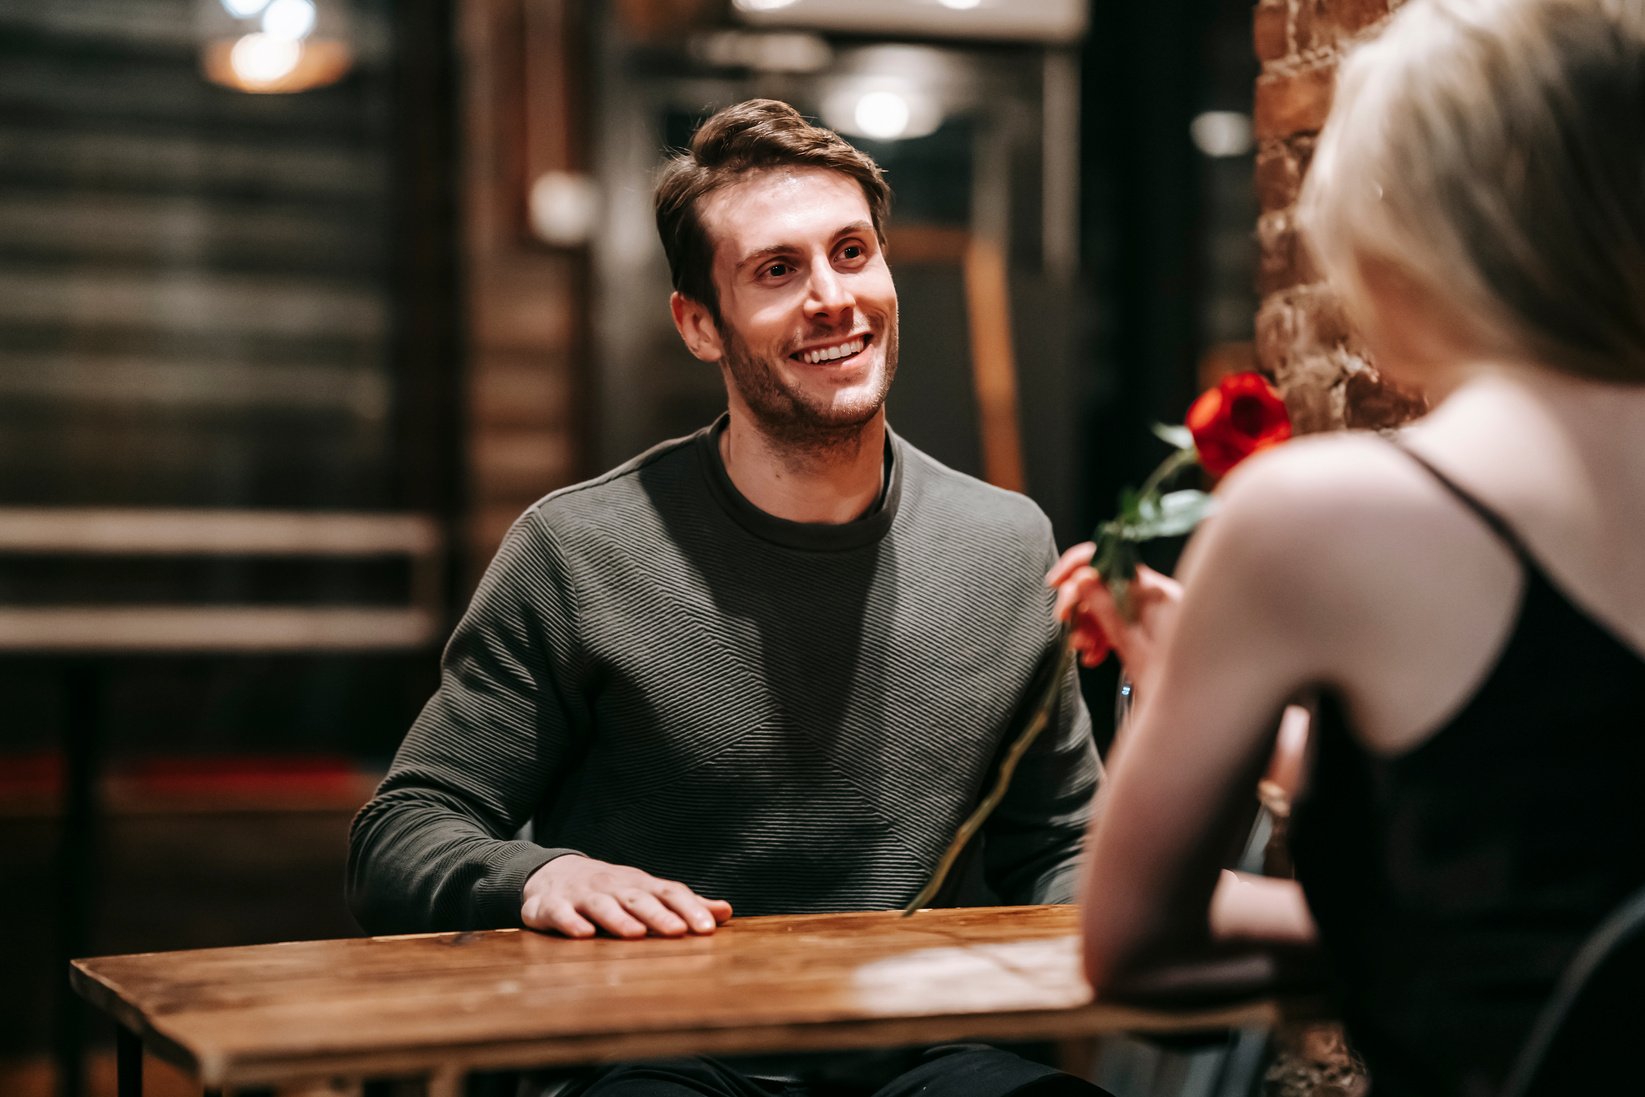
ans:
x=106 y=995
x=1096 y=1019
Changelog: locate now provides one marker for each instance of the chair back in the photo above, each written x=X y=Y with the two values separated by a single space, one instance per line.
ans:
x=1587 y=1038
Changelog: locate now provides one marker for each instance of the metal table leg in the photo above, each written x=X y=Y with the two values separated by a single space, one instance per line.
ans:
x=128 y=1063
x=82 y=752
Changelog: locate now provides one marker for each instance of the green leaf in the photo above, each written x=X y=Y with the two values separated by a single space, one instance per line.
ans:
x=1170 y=515
x=1180 y=437
x=1181 y=511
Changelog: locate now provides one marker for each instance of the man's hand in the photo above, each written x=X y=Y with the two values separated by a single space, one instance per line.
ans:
x=578 y=896
x=1095 y=623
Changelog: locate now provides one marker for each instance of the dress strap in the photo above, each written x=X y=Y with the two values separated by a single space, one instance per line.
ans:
x=1490 y=517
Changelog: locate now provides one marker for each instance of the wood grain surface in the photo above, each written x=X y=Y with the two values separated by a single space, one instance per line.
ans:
x=429 y=1004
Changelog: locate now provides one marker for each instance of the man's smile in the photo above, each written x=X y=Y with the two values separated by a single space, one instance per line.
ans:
x=842 y=350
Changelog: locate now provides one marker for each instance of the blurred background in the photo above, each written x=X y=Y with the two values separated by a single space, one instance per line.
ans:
x=303 y=301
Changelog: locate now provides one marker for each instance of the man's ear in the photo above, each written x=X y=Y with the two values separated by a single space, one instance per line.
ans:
x=696 y=326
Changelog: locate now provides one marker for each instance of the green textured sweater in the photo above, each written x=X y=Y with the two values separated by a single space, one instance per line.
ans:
x=792 y=717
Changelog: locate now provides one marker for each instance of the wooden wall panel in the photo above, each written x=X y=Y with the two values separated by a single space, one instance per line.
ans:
x=195 y=300
x=527 y=303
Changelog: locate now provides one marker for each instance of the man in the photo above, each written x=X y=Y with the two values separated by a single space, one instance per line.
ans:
x=768 y=667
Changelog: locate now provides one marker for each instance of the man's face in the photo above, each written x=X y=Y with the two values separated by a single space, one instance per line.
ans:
x=807 y=336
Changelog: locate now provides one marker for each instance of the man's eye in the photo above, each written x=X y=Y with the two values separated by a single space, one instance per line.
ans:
x=851 y=251
x=778 y=270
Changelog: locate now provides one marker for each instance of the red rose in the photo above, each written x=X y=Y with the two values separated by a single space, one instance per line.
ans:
x=1232 y=421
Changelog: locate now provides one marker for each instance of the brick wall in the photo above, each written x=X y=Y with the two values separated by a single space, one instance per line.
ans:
x=1303 y=338
x=1306 y=342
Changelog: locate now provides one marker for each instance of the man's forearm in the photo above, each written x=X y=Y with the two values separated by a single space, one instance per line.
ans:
x=416 y=866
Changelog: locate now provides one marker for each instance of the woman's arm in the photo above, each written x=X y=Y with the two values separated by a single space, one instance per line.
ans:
x=1217 y=663
x=1260 y=910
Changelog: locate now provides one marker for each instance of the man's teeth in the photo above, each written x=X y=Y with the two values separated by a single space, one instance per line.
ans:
x=828 y=354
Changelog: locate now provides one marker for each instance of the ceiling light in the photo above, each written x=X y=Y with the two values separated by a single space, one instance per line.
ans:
x=881 y=108
x=264 y=59
x=881 y=114
x=1221 y=133
x=292 y=19
x=270 y=47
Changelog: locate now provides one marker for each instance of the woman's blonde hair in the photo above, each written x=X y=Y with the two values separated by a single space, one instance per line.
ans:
x=1493 y=153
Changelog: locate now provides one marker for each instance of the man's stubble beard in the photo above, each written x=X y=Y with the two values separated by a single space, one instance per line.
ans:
x=805 y=428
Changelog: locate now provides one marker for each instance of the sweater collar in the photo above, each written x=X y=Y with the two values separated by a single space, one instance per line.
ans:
x=809 y=536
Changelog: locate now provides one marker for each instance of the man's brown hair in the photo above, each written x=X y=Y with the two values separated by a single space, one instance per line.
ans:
x=747 y=137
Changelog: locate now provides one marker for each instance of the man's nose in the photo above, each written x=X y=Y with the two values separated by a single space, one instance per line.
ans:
x=829 y=295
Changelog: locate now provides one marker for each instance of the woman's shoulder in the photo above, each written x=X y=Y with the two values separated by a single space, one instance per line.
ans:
x=1330 y=491
x=1317 y=464
x=1363 y=560
x=1336 y=533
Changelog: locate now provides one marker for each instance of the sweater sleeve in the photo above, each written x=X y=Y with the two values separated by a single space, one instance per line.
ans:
x=1032 y=842
x=434 y=849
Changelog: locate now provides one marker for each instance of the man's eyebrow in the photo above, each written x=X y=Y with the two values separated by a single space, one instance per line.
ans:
x=766 y=253
x=776 y=250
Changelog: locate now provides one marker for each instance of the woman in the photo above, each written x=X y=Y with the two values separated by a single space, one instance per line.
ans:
x=1467 y=599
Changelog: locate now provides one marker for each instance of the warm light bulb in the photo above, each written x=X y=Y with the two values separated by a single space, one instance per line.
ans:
x=290 y=19
x=263 y=58
x=243 y=9
x=882 y=114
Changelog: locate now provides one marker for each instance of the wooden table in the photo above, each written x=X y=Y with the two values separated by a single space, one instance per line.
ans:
x=317 y=1016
